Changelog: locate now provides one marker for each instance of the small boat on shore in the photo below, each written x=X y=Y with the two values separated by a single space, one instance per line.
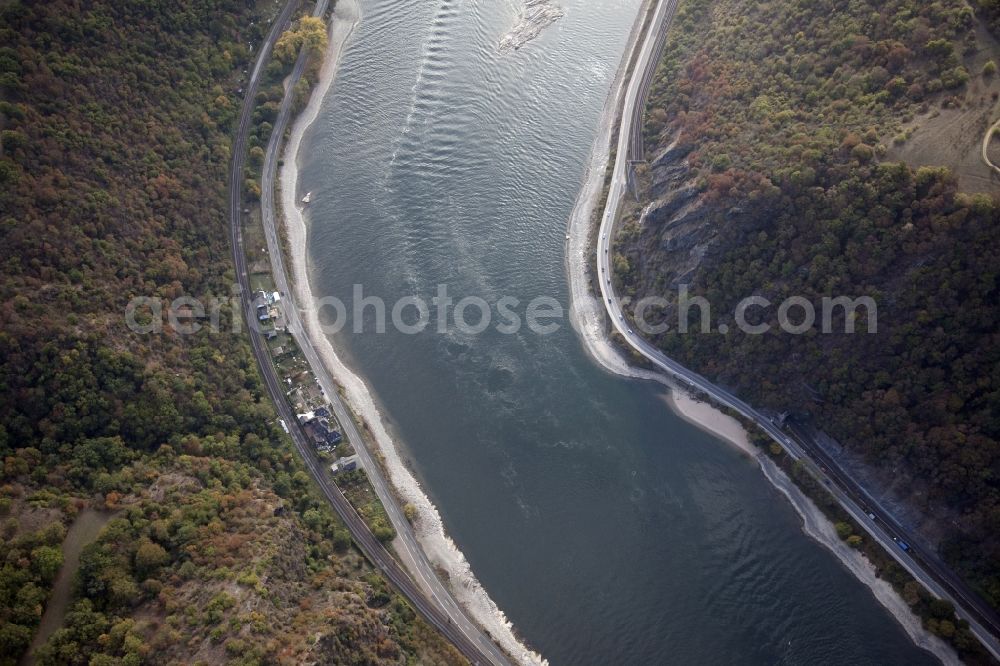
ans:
x=307 y=198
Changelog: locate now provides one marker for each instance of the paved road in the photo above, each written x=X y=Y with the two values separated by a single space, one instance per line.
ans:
x=438 y=607
x=919 y=561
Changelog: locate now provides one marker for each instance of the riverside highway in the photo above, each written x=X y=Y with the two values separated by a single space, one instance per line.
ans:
x=429 y=597
x=922 y=564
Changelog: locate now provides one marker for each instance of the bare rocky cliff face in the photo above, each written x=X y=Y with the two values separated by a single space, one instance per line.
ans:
x=668 y=234
x=676 y=225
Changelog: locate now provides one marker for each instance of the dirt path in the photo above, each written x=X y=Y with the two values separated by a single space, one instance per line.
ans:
x=84 y=530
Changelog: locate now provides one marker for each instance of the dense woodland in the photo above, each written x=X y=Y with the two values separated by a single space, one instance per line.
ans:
x=116 y=120
x=781 y=114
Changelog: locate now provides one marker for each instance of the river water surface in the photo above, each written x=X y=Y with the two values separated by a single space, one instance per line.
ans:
x=607 y=529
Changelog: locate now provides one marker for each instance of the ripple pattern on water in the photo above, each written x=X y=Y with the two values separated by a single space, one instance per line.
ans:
x=608 y=530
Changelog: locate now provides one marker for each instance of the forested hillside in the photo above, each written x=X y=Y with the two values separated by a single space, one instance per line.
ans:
x=116 y=120
x=776 y=131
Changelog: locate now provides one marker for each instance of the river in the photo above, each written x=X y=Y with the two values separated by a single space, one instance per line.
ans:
x=607 y=529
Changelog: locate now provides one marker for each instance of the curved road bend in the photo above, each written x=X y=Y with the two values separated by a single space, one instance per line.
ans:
x=922 y=564
x=438 y=606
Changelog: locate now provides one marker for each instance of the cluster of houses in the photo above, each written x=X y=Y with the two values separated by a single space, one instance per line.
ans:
x=318 y=423
x=268 y=314
x=317 y=426
x=304 y=392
